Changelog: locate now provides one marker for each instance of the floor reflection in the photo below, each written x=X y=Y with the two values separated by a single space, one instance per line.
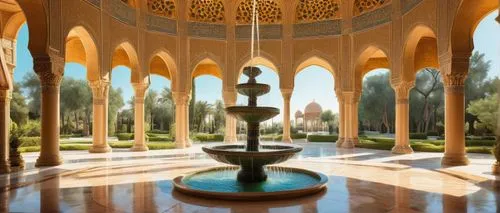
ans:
x=359 y=181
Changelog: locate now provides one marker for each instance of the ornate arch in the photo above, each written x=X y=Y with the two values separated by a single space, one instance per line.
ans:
x=269 y=12
x=263 y=58
x=80 y=47
x=420 y=50
x=13 y=25
x=319 y=10
x=211 y=11
x=165 y=8
x=372 y=57
x=167 y=64
x=126 y=55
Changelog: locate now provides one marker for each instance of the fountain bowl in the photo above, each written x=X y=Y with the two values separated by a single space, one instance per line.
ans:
x=254 y=89
x=219 y=183
x=253 y=114
x=235 y=154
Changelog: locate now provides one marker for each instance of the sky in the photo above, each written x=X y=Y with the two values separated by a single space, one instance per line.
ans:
x=313 y=83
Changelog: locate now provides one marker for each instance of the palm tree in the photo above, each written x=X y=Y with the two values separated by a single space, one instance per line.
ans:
x=201 y=110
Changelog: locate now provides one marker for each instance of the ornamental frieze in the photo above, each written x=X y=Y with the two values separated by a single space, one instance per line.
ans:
x=320 y=28
x=407 y=5
x=161 y=24
x=122 y=12
x=206 y=30
x=372 y=19
x=269 y=31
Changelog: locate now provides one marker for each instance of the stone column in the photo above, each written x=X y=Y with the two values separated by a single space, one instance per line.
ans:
x=5 y=97
x=402 y=145
x=139 y=136
x=341 y=120
x=50 y=71
x=182 y=119
x=230 y=132
x=287 y=95
x=351 y=100
x=454 y=151
x=100 y=91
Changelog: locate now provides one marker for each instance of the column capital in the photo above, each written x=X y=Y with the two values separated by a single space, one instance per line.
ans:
x=181 y=98
x=140 y=89
x=287 y=94
x=402 y=90
x=100 y=90
x=454 y=82
x=351 y=97
x=50 y=69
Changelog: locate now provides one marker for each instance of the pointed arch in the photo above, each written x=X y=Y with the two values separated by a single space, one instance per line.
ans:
x=370 y=58
x=469 y=15
x=259 y=60
x=420 y=51
x=13 y=26
x=161 y=63
x=125 y=55
x=80 y=47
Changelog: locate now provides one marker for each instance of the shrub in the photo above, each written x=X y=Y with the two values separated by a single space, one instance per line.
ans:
x=489 y=143
x=160 y=138
x=488 y=138
x=125 y=136
x=271 y=137
x=202 y=137
x=32 y=128
x=431 y=133
x=322 y=138
x=369 y=144
x=418 y=136
x=382 y=140
x=30 y=141
x=299 y=136
x=157 y=131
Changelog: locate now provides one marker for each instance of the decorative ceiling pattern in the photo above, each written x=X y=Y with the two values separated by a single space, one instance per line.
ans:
x=164 y=8
x=319 y=10
x=211 y=11
x=269 y=12
x=363 y=6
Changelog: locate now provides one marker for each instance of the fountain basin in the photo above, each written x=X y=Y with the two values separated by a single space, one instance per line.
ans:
x=254 y=89
x=219 y=183
x=253 y=114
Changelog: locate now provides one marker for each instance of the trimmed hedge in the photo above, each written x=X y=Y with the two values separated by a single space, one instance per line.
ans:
x=299 y=136
x=322 y=138
x=418 y=136
x=67 y=147
x=208 y=137
x=157 y=131
x=432 y=133
x=125 y=136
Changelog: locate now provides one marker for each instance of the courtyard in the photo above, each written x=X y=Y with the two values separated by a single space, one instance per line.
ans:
x=360 y=180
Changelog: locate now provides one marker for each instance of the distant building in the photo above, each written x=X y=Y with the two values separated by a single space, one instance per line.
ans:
x=310 y=120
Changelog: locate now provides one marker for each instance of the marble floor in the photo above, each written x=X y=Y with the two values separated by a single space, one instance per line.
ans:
x=360 y=180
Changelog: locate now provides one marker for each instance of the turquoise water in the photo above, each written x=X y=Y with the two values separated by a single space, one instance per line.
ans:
x=224 y=180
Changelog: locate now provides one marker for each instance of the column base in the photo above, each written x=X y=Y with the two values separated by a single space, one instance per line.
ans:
x=402 y=149
x=181 y=144
x=4 y=168
x=347 y=144
x=139 y=148
x=454 y=160
x=50 y=160
x=230 y=139
x=495 y=169
x=287 y=140
x=100 y=149
x=339 y=142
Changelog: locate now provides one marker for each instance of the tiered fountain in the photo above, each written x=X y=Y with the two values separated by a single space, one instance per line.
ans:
x=254 y=180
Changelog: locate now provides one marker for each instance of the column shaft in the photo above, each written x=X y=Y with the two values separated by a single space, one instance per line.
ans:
x=4 y=131
x=139 y=134
x=49 y=70
x=341 y=123
x=182 y=119
x=287 y=95
x=402 y=145
x=100 y=91
x=454 y=151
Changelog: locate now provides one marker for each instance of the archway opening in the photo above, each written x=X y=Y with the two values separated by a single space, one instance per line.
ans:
x=206 y=108
x=314 y=105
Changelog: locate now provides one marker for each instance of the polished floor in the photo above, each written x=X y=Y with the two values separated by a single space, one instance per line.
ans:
x=360 y=180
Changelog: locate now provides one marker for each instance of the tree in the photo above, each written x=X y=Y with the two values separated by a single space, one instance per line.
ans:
x=429 y=87
x=219 y=115
x=115 y=103
x=329 y=118
x=166 y=108
x=32 y=84
x=377 y=101
x=201 y=110
x=476 y=84
x=151 y=105
x=18 y=108
x=486 y=110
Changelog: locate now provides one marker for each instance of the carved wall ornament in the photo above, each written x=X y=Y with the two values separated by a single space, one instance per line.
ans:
x=319 y=28
x=363 y=6
x=123 y=12
x=402 y=91
x=371 y=19
x=269 y=12
x=140 y=90
x=161 y=24
x=49 y=70
x=318 y=10
x=207 y=11
x=181 y=98
x=454 y=83
x=164 y=8
x=100 y=91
